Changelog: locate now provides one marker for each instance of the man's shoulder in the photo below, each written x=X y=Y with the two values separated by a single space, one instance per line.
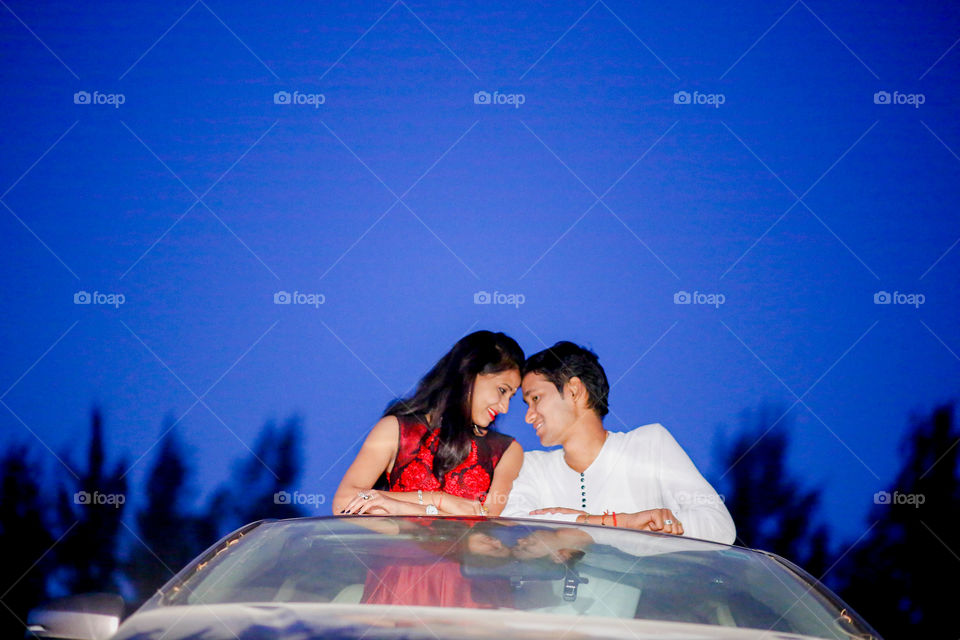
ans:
x=651 y=431
x=541 y=457
x=542 y=454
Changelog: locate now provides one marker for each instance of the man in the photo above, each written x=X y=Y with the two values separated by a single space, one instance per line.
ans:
x=641 y=479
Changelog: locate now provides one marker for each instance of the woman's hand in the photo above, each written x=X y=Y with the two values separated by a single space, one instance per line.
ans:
x=451 y=505
x=370 y=502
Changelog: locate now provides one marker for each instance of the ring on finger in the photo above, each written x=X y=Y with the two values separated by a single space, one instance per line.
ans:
x=668 y=522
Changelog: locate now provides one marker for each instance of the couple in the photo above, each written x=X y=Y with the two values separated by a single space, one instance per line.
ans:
x=441 y=456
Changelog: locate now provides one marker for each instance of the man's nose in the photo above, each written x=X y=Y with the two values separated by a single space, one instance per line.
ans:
x=529 y=416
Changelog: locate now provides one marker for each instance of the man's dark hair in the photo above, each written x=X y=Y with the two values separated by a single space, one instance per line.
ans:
x=566 y=360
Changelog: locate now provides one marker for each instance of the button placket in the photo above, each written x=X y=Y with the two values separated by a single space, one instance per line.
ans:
x=583 y=491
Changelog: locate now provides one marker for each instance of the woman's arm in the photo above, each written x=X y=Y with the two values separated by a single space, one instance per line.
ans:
x=504 y=474
x=376 y=455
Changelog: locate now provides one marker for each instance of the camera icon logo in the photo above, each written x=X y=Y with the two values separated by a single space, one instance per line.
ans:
x=281 y=97
x=282 y=297
x=881 y=497
x=681 y=297
x=481 y=97
x=81 y=97
x=281 y=497
x=881 y=97
x=81 y=497
x=681 y=97
x=882 y=297
x=81 y=297
x=482 y=297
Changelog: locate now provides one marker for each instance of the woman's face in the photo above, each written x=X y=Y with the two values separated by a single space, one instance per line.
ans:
x=491 y=395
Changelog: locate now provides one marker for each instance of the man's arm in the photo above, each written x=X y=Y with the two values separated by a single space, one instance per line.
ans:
x=530 y=492
x=688 y=495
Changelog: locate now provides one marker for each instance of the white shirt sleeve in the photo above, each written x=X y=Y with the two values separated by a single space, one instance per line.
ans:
x=689 y=495
x=528 y=492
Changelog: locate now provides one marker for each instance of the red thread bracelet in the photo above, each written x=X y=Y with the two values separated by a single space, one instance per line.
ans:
x=614 y=518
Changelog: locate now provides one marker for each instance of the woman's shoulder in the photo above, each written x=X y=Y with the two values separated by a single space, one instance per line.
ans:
x=412 y=423
x=386 y=427
x=497 y=443
x=413 y=432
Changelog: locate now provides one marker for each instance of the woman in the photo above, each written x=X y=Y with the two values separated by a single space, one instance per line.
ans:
x=437 y=447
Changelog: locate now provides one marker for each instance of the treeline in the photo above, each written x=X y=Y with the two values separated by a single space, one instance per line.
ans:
x=896 y=573
x=79 y=537
x=73 y=534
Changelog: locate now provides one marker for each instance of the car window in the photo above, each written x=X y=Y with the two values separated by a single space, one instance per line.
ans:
x=513 y=565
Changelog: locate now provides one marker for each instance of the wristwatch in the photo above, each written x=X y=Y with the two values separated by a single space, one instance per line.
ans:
x=431 y=508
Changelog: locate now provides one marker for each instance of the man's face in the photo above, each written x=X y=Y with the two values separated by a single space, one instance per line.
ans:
x=550 y=412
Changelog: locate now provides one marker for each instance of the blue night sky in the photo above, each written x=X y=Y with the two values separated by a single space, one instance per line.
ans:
x=789 y=160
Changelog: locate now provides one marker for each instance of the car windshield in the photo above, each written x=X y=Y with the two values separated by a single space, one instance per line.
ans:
x=524 y=565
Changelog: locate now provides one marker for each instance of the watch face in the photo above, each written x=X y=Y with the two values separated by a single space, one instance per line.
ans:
x=432 y=510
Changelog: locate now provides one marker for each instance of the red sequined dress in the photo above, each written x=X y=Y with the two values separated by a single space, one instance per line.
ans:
x=437 y=582
x=413 y=467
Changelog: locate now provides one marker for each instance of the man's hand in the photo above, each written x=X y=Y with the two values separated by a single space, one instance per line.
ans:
x=540 y=512
x=659 y=520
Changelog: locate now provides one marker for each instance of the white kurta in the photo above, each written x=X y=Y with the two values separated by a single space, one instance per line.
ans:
x=634 y=471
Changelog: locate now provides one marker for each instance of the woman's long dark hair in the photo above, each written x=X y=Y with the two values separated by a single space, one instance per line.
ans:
x=444 y=396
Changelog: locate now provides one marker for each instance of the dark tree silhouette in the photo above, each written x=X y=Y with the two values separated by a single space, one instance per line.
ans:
x=900 y=575
x=90 y=510
x=25 y=537
x=771 y=509
x=261 y=484
x=168 y=534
